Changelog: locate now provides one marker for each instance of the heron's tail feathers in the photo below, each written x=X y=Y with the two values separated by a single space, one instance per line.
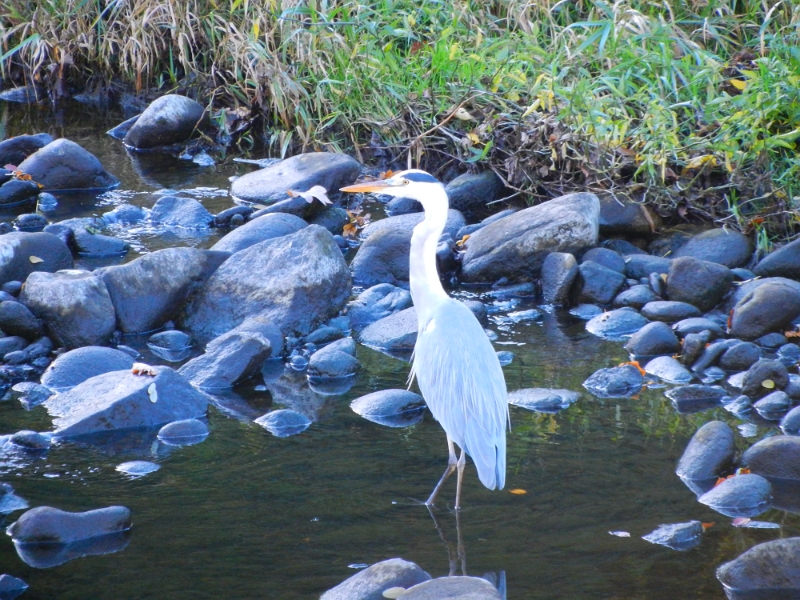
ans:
x=489 y=456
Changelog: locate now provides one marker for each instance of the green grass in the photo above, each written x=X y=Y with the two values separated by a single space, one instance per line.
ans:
x=691 y=107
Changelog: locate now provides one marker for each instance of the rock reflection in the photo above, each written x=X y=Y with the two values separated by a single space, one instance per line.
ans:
x=44 y=555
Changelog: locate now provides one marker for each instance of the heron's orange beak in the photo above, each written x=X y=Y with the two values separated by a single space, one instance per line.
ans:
x=368 y=186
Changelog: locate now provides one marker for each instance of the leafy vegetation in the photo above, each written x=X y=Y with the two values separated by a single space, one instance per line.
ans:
x=691 y=107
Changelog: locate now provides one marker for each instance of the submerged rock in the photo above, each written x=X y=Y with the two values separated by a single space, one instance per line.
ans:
x=370 y=583
x=746 y=495
x=284 y=422
x=64 y=166
x=24 y=253
x=544 y=400
x=677 y=536
x=170 y=119
x=76 y=366
x=11 y=587
x=172 y=345
x=669 y=370
x=768 y=571
x=138 y=468
x=616 y=382
x=452 y=588
x=9 y=501
x=391 y=408
x=183 y=433
x=694 y=398
x=45 y=524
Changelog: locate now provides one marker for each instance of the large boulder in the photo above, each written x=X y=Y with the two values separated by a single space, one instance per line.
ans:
x=74 y=305
x=783 y=262
x=299 y=173
x=383 y=258
x=24 y=253
x=151 y=290
x=76 y=366
x=768 y=571
x=16 y=149
x=723 y=246
x=134 y=398
x=64 y=166
x=170 y=119
x=298 y=281
x=516 y=246
x=370 y=583
x=769 y=307
x=698 y=282
x=258 y=230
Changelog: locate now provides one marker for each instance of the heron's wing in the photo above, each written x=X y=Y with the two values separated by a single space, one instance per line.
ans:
x=461 y=380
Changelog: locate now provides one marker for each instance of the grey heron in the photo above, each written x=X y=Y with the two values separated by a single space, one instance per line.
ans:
x=455 y=365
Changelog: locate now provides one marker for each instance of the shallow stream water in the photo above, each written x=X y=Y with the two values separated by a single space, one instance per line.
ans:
x=248 y=515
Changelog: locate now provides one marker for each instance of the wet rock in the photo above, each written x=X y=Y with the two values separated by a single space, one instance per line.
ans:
x=722 y=246
x=174 y=211
x=74 y=305
x=470 y=193
x=708 y=455
x=746 y=495
x=455 y=221
x=16 y=191
x=269 y=186
x=138 y=468
x=45 y=524
x=76 y=366
x=790 y=423
x=698 y=282
x=383 y=258
x=698 y=325
x=586 y=312
x=626 y=218
x=325 y=335
x=709 y=355
x=46 y=202
x=516 y=246
x=63 y=165
x=739 y=406
x=376 y=303
x=452 y=588
x=258 y=230
x=771 y=341
x=395 y=333
x=87 y=240
x=598 y=284
x=11 y=587
x=30 y=441
x=788 y=354
x=125 y=214
x=20 y=253
x=616 y=324
x=769 y=307
x=234 y=356
x=740 y=357
x=334 y=360
x=370 y=583
x=284 y=422
x=170 y=119
x=183 y=433
x=559 y=270
x=172 y=345
x=773 y=407
x=768 y=571
x=677 y=536
x=783 y=262
x=31 y=394
x=124 y=400
x=775 y=457
x=642 y=265
x=46 y=555
x=9 y=501
x=669 y=311
x=17 y=320
x=616 y=382
x=16 y=149
x=605 y=257
x=764 y=377
x=544 y=400
x=695 y=398
x=391 y=408
x=653 y=339
x=668 y=369
x=30 y=222
x=297 y=281
x=635 y=297
x=151 y=290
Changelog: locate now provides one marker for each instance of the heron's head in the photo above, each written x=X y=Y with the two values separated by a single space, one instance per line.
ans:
x=414 y=184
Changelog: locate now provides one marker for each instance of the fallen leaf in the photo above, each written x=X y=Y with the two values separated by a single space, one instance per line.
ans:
x=738 y=84
x=386 y=175
x=742 y=471
x=35 y=259
x=473 y=138
x=708 y=525
x=394 y=592
x=636 y=364
x=318 y=192
x=151 y=391
x=518 y=492
x=768 y=383
x=462 y=114
x=620 y=533
x=460 y=243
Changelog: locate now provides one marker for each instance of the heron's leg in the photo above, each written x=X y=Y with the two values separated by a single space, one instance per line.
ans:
x=462 y=461
x=451 y=466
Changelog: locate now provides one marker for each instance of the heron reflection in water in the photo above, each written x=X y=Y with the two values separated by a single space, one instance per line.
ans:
x=454 y=362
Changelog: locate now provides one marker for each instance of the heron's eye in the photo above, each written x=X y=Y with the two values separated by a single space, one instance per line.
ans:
x=406 y=182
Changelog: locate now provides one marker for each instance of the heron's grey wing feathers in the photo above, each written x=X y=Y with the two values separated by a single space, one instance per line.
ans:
x=461 y=380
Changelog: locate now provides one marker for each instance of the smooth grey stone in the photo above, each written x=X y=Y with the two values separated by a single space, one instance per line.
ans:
x=740 y=357
x=30 y=440
x=764 y=370
x=370 y=583
x=9 y=501
x=769 y=307
x=790 y=423
x=471 y=193
x=788 y=354
x=377 y=302
x=297 y=281
x=677 y=536
x=391 y=408
x=403 y=206
x=12 y=288
x=406 y=223
x=669 y=370
x=773 y=407
x=11 y=587
x=627 y=218
x=86 y=239
x=747 y=287
x=641 y=265
x=653 y=339
x=587 y=312
x=174 y=211
x=695 y=398
x=17 y=320
x=616 y=324
x=30 y=222
x=657 y=285
x=63 y=233
x=17 y=248
x=616 y=382
x=743 y=274
x=397 y=332
x=669 y=311
x=74 y=305
x=694 y=344
x=767 y=571
x=709 y=355
x=708 y=455
x=697 y=325
x=64 y=165
x=15 y=358
x=544 y=400
x=183 y=433
x=124 y=400
x=258 y=230
x=383 y=258
x=45 y=524
x=635 y=297
x=17 y=191
x=783 y=262
x=332 y=218
x=172 y=345
x=723 y=246
x=284 y=422
x=771 y=340
x=125 y=214
x=76 y=366
x=516 y=246
x=170 y=119
x=775 y=457
x=746 y=495
x=16 y=149
x=698 y=282
x=478 y=309
x=138 y=468
x=559 y=270
x=452 y=588
x=598 y=284
x=668 y=242
x=31 y=394
x=605 y=257
x=330 y=362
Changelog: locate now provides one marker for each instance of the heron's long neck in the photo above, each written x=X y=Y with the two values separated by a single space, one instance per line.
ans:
x=426 y=289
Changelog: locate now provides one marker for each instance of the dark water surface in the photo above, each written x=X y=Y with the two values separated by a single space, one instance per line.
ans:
x=248 y=515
